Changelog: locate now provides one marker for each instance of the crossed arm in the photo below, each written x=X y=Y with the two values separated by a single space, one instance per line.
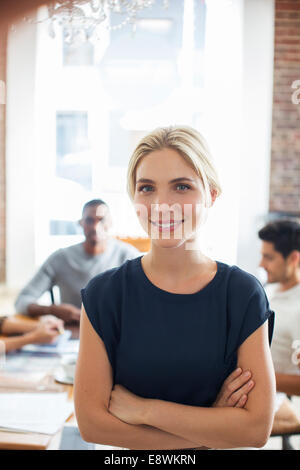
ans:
x=119 y=418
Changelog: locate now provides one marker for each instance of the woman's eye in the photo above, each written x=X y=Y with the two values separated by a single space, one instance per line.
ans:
x=143 y=187
x=185 y=186
x=182 y=187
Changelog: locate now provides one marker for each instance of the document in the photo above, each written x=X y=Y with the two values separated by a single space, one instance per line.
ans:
x=62 y=346
x=43 y=413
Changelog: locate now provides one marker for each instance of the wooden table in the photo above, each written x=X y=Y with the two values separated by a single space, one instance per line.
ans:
x=33 y=441
x=286 y=420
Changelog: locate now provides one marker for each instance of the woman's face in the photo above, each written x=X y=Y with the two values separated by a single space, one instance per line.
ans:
x=169 y=198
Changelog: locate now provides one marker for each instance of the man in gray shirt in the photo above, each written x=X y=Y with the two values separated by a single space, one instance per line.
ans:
x=71 y=268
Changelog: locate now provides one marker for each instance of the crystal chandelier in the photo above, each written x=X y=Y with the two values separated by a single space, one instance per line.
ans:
x=83 y=19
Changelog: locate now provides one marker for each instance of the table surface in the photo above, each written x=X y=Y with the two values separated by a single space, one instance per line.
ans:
x=34 y=441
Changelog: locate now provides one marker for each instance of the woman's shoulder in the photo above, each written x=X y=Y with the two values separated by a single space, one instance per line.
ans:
x=247 y=308
x=110 y=279
x=241 y=281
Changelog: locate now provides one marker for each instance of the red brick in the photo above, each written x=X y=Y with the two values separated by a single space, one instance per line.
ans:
x=278 y=39
x=288 y=6
x=287 y=55
x=285 y=147
x=287 y=15
x=3 y=43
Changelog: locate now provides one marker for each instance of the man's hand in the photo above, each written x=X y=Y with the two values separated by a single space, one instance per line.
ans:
x=67 y=312
x=235 y=389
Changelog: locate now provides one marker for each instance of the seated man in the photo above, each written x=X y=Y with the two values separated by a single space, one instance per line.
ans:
x=71 y=268
x=281 y=260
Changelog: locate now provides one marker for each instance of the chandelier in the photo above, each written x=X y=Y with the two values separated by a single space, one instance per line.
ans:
x=84 y=19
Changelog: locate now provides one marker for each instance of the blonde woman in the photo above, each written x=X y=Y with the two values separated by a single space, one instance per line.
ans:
x=164 y=338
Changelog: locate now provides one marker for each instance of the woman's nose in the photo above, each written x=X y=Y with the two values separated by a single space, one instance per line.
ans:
x=166 y=211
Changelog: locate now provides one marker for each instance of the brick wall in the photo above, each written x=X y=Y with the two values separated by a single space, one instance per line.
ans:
x=285 y=156
x=3 y=43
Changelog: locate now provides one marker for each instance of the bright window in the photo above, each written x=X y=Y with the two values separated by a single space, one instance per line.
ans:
x=181 y=66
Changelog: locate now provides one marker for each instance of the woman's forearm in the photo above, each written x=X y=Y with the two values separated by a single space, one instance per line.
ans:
x=221 y=428
x=287 y=383
x=15 y=326
x=104 y=428
x=14 y=343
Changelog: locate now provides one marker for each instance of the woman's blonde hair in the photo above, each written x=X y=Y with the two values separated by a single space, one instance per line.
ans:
x=189 y=143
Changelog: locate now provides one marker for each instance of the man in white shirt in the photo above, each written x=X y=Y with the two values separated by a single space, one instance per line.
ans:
x=280 y=252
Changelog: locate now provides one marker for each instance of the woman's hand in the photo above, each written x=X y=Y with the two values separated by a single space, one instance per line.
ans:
x=131 y=408
x=235 y=389
x=127 y=406
x=52 y=321
x=46 y=330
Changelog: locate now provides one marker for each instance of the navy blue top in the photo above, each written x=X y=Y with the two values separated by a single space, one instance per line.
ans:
x=174 y=347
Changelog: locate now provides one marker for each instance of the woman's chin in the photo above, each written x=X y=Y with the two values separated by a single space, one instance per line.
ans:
x=167 y=242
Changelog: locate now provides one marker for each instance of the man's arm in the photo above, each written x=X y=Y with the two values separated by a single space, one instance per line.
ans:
x=287 y=383
x=37 y=310
x=67 y=312
x=41 y=282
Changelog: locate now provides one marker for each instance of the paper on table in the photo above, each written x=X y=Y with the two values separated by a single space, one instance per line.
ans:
x=28 y=365
x=43 y=413
x=62 y=346
x=15 y=383
x=279 y=397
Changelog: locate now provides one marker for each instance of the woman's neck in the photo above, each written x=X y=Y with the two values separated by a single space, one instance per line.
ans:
x=178 y=263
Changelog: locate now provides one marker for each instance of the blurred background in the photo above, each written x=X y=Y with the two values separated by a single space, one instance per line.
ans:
x=73 y=109
x=71 y=114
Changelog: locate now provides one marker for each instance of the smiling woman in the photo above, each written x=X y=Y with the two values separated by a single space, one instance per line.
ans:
x=191 y=192
x=189 y=144
x=162 y=335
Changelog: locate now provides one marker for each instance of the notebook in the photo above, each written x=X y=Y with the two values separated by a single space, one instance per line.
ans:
x=63 y=345
x=43 y=413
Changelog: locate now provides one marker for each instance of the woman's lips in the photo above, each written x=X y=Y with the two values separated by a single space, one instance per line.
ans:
x=168 y=226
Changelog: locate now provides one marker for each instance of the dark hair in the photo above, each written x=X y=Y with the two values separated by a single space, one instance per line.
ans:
x=93 y=202
x=284 y=234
